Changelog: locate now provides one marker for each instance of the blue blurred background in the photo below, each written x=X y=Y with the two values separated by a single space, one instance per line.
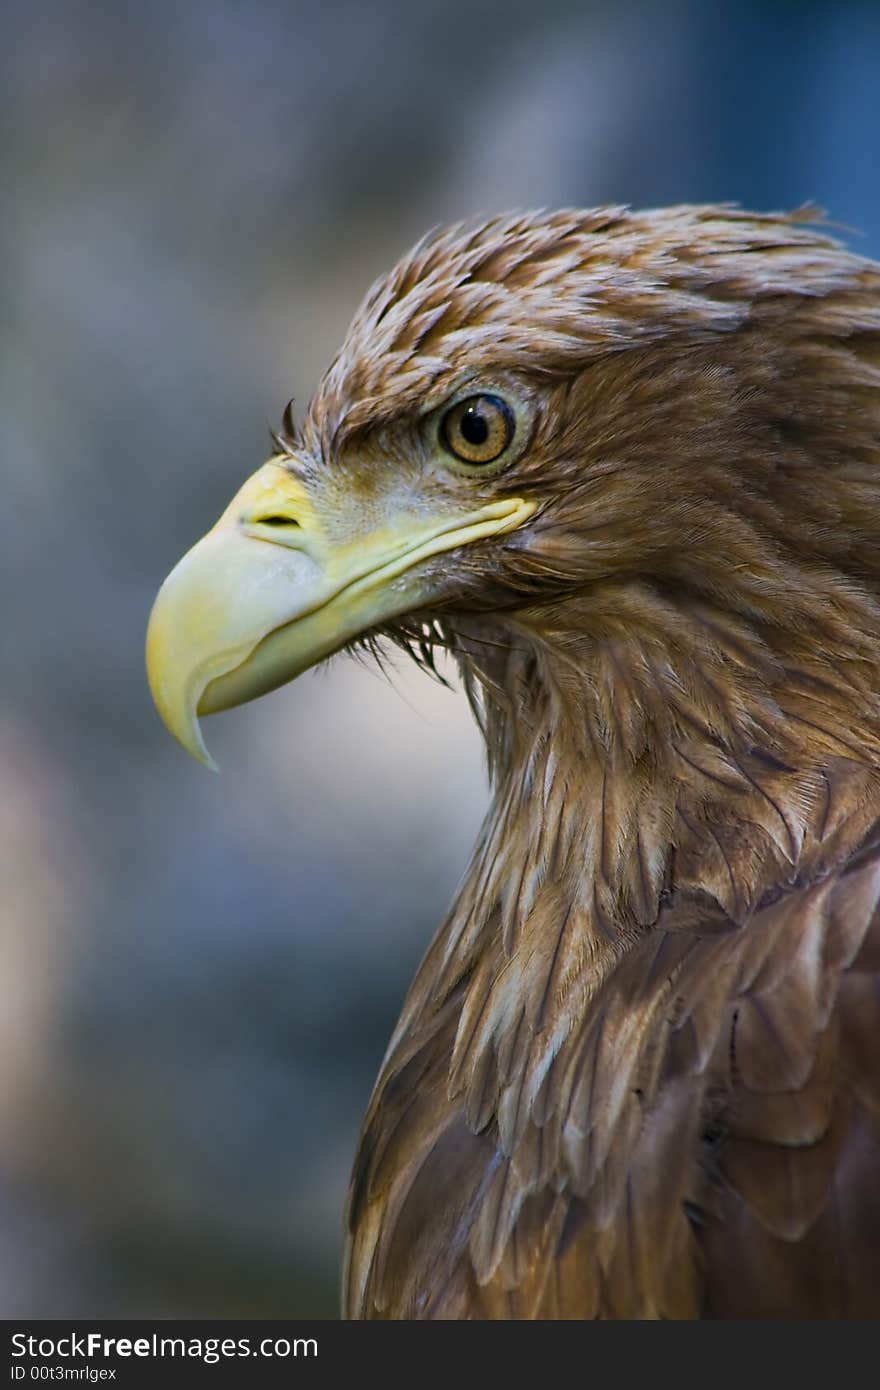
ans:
x=198 y=975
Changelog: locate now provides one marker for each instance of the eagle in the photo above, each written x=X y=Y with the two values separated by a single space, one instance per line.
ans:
x=624 y=467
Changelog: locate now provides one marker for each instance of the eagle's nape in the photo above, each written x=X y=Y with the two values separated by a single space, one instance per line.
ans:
x=626 y=467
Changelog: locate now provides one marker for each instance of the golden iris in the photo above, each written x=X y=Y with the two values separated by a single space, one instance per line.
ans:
x=478 y=430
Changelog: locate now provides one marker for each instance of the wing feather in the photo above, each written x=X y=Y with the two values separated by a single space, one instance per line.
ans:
x=704 y=1141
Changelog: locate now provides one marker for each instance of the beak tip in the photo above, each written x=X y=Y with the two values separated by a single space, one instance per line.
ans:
x=176 y=699
x=190 y=739
x=202 y=756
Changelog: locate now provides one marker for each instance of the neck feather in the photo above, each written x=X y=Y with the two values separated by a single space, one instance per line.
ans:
x=647 y=755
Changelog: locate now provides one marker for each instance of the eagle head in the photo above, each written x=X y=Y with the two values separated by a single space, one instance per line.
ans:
x=538 y=416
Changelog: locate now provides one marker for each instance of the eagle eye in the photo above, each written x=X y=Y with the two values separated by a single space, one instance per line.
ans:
x=478 y=429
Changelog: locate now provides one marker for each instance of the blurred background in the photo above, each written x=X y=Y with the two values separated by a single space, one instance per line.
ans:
x=198 y=975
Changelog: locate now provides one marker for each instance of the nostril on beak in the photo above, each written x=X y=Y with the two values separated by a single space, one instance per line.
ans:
x=274 y=520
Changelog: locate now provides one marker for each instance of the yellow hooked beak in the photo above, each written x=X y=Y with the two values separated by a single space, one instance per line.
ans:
x=273 y=589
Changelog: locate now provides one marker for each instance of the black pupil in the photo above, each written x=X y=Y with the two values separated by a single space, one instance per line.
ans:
x=474 y=426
